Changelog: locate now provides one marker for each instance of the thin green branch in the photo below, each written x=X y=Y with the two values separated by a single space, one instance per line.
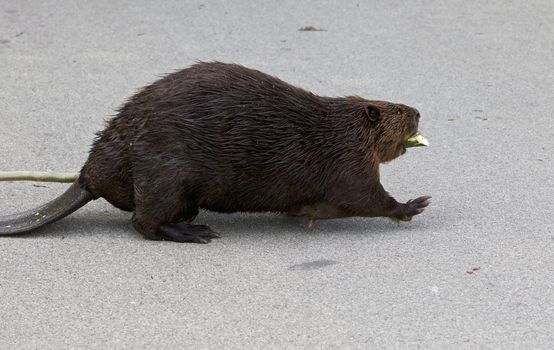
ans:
x=39 y=176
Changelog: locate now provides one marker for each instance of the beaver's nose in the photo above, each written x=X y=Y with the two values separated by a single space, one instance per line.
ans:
x=417 y=116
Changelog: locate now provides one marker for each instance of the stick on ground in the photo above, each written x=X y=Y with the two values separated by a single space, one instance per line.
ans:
x=39 y=176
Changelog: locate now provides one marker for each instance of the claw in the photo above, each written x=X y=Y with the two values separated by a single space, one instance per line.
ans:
x=416 y=206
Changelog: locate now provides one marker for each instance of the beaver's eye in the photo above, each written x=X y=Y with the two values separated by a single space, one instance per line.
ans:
x=372 y=113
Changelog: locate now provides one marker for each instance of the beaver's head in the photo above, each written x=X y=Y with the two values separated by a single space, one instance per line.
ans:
x=389 y=125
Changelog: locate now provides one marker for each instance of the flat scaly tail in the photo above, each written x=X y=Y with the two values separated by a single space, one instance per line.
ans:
x=74 y=198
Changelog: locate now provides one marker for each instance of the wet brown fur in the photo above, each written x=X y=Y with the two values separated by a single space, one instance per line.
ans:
x=226 y=138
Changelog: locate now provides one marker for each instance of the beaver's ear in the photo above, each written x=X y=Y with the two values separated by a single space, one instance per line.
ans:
x=372 y=113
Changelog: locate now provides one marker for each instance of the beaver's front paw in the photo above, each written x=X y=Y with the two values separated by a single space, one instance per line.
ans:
x=413 y=207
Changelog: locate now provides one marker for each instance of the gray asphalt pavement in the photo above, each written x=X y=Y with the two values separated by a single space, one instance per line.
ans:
x=475 y=271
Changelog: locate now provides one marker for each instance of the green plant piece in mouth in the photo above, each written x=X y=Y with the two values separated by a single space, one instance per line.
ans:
x=417 y=140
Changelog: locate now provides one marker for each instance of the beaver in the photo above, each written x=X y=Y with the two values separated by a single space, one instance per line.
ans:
x=226 y=138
